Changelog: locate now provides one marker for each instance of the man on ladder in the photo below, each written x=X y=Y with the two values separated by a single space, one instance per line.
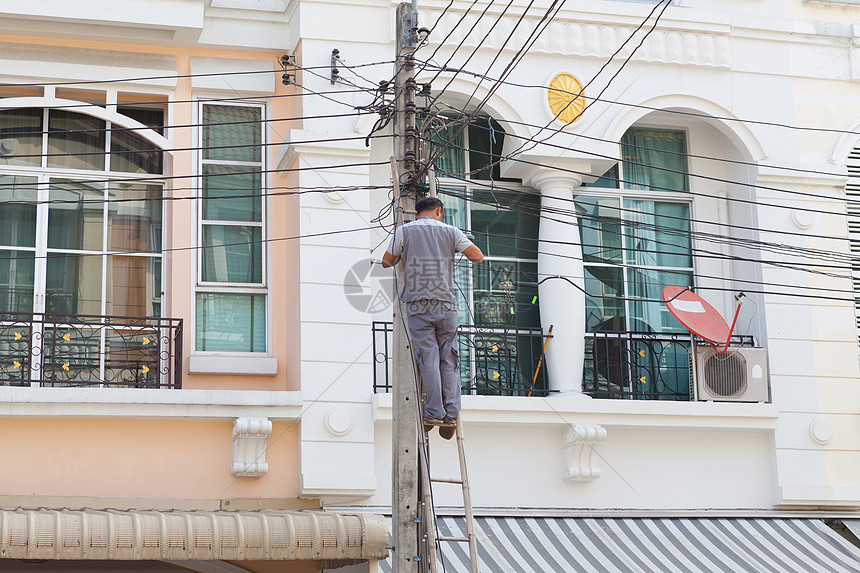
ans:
x=427 y=247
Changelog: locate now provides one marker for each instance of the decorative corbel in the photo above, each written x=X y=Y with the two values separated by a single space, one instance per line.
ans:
x=579 y=445
x=249 y=447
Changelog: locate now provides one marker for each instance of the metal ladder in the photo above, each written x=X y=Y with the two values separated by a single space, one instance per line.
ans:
x=429 y=518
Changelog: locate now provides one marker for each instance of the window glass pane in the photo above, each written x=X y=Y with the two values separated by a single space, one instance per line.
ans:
x=78 y=139
x=509 y=229
x=454 y=210
x=232 y=133
x=649 y=314
x=131 y=153
x=21 y=137
x=150 y=117
x=496 y=306
x=608 y=180
x=232 y=254
x=231 y=322
x=604 y=301
x=658 y=234
x=74 y=284
x=134 y=217
x=75 y=216
x=654 y=159
x=130 y=287
x=599 y=229
x=16 y=281
x=486 y=138
x=155 y=285
x=231 y=193
x=18 y=211
x=448 y=139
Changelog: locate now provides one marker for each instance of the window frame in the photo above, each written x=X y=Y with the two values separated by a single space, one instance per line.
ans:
x=623 y=194
x=44 y=174
x=202 y=287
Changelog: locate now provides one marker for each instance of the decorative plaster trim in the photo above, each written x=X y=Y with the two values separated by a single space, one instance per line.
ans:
x=302 y=143
x=819 y=496
x=826 y=176
x=612 y=414
x=707 y=49
x=125 y=403
x=340 y=485
x=821 y=431
x=233 y=365
x=579 y=446
x=249 y=447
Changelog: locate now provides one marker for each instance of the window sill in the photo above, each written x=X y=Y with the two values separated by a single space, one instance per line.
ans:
x=233 y=365
x=638 y=414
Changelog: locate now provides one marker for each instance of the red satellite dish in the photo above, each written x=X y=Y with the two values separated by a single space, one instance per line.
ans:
x=698 y=316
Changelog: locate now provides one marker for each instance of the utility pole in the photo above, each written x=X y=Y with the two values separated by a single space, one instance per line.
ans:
x=405 y=494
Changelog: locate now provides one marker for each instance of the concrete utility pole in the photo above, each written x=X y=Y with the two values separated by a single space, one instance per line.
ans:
x=405 y=494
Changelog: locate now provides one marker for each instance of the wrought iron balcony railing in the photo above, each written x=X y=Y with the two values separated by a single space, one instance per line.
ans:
x=493 y=361
x=90 y=350
x=640 y=365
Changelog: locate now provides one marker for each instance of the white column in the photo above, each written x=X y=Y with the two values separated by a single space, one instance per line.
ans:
x=562 y=305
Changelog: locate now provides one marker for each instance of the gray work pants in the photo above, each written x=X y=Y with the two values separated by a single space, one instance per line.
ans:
x=433 y=330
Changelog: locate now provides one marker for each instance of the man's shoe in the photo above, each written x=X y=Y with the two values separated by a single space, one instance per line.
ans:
x=448 y=429
x=430 y=423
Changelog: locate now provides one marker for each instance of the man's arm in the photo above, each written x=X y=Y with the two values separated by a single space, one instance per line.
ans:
x=473 y=253
x=389 y=260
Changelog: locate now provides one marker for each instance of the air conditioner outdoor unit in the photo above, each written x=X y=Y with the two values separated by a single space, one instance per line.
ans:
x=739 y=375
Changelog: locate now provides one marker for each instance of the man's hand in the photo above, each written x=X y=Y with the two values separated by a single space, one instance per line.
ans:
x=389 y=260
x=473 y=253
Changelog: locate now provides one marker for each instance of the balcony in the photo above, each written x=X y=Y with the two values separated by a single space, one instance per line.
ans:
x=54 y=350
x=618 y=365
x=640 y=365
x=493 y=361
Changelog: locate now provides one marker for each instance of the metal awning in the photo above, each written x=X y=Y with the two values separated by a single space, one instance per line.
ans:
x=191 y=535
x=644 y=545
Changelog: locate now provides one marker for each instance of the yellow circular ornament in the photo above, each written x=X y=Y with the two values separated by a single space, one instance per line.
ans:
x=565 y=98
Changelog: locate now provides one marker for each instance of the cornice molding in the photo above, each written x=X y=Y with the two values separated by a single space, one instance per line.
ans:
x=586 y=39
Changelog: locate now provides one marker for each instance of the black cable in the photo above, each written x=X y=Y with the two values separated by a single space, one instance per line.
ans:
x=699 y=253
x=195 y=148
x=161 y=178
x=662 y=188
x=615 y=75
x=646 y=165
x=163 y=77
x=666 y=110
x=517 y=57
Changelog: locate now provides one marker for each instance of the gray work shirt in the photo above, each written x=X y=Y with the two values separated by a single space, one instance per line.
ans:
x=427 y=247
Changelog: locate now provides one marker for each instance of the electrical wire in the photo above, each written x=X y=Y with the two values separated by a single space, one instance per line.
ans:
x=608 y=83
x=160 y=178
x=659 y=168
x=517 y=57
x=166 y=77
x=697 y=253
x=744 y=242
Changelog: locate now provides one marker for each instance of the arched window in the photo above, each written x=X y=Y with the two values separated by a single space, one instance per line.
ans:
x=78 y=235
x=636 y=240
x=497 y=311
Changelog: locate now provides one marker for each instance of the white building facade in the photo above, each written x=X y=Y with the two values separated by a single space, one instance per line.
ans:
x=715 y=145
x=714 y=155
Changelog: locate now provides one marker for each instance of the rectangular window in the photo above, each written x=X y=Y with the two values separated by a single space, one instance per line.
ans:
x=231 y=293
x=635 y=229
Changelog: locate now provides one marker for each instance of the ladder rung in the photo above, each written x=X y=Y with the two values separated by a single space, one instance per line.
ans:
x=459 y=539
x=446 y=480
